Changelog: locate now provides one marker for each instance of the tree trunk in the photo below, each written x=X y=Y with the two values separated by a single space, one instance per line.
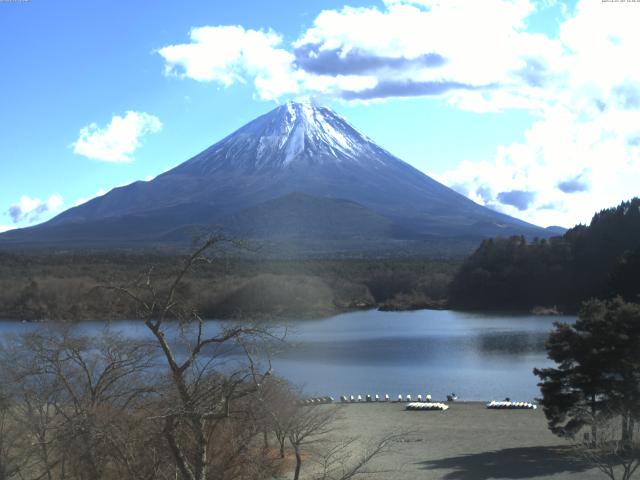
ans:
x=201 y=446
x=296 y=475
x=594 y=422
x=626 y=421
x=178 y=455
x=45 y=457
x=90 y=465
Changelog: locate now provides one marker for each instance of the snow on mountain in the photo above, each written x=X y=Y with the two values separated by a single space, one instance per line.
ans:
x=292 y=133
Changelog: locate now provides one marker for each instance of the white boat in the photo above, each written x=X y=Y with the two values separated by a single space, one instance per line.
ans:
x=509 y=405
x=428 y=406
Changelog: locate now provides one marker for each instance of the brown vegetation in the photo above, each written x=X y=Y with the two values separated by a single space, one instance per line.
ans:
x=63 y=286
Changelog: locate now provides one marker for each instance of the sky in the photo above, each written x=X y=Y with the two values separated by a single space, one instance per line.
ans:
x=531 y=108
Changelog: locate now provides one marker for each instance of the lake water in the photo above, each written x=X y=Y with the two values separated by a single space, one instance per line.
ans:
x=477 y=356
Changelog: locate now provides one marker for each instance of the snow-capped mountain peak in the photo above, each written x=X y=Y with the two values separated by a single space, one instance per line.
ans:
x=317 y=130
x=292 y=134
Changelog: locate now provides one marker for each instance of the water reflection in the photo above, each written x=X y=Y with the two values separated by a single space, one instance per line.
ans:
x=480 y=357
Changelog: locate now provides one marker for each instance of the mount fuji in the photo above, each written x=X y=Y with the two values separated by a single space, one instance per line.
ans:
x=298 y=179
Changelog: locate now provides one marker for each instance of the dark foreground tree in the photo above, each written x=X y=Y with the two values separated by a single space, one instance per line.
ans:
x=597 y=379
x=598 y=369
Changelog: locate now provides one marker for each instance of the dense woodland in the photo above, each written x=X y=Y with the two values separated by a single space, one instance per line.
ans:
x=70 y=286
x=601 y=260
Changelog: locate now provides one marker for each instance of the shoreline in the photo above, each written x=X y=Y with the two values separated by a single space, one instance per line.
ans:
x=305 y=317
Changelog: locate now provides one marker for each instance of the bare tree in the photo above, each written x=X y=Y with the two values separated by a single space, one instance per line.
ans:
x=202 y=401
x=277 y=405
x=312 y=434
x=612 y=452
x=309 y=426
x=15 y=453
x=346 y=460
x=73 y=397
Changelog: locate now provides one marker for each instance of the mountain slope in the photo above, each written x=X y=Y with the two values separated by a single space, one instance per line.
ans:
x=294 y=149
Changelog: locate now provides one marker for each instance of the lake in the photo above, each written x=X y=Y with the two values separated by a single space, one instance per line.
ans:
x=477 y=356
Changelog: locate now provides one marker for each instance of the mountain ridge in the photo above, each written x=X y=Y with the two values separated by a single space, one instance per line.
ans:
x=295 y=148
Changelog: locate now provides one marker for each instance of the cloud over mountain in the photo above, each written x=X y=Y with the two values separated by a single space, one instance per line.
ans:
x=229 y=54
x=573 y=185
x=406 y=48
x=30 y=209
x=517 y=198
x=119 y=139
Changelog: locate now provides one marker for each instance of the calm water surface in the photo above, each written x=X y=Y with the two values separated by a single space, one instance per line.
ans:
x=477 y=356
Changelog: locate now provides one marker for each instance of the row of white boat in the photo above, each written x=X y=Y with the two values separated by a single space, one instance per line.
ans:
x=506 y=404
x=427 y=406
x=316 y=400
x=378 y=398
x=419 y=404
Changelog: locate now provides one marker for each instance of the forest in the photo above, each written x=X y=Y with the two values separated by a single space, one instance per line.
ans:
x=601 y=260
x=73 y=286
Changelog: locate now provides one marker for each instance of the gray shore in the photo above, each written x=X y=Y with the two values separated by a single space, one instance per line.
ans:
x=466 y=442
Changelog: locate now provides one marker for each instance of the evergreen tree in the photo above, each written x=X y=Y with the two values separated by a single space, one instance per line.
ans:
x=597 y=372
x=600 y=261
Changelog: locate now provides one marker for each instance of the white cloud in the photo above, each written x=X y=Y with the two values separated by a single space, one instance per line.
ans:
x=30 y=209
x=118 y=140
x=231 y=54
x=407 y=48
x=6 y=228
x=583 y=153
x=558 y=150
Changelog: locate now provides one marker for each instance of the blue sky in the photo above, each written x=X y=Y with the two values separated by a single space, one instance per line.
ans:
x=520 y=105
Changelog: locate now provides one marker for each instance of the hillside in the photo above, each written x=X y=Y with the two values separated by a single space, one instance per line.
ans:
x=599 y=260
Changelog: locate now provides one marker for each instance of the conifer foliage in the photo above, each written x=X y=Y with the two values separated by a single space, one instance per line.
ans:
x=601 y=260
x=597 y=373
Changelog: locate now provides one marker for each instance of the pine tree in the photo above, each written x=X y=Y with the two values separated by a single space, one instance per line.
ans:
x=597 y=372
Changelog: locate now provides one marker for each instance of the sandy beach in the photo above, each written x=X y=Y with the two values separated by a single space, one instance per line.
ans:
x=466 y=442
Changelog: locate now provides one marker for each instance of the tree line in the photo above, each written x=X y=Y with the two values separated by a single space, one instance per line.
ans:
x=601 y=260
x=63 y=286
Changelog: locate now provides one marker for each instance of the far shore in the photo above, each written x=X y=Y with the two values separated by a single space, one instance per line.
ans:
x=311 y=315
